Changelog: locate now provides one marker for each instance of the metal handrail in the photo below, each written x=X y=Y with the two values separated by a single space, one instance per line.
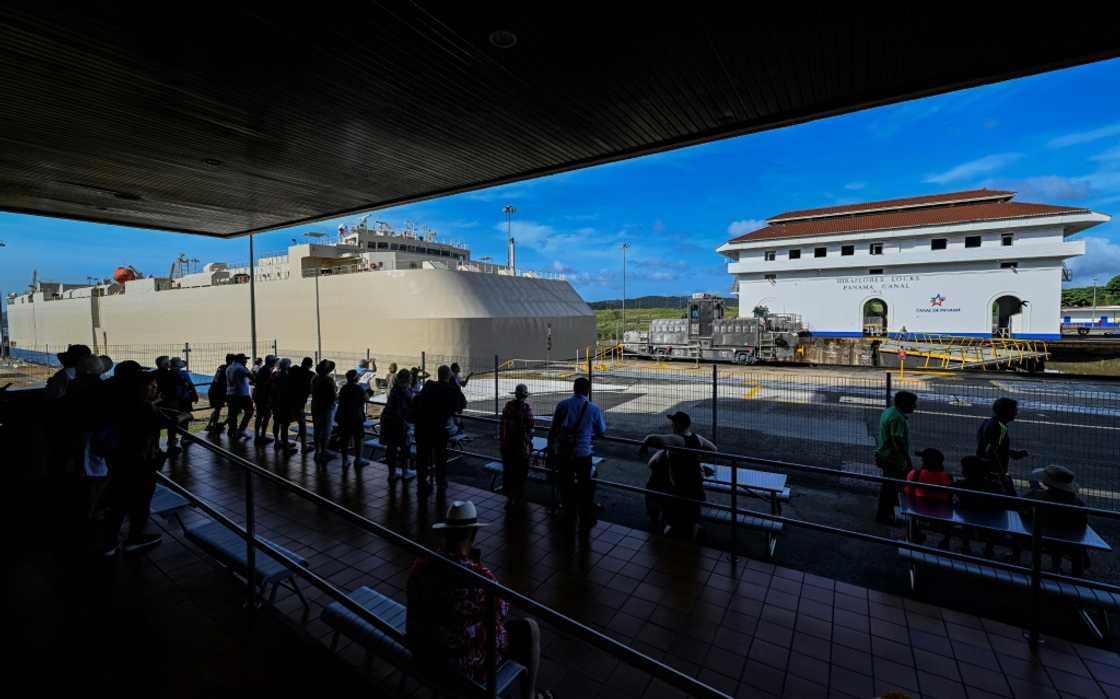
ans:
x=605 y=643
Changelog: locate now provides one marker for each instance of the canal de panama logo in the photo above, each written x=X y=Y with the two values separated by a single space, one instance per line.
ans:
x=937 y=305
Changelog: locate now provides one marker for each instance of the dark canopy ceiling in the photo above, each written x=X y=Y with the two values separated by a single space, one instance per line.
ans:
x=223 y=120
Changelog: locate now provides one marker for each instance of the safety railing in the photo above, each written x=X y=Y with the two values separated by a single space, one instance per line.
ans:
x=1037 y=508
x=580 y=631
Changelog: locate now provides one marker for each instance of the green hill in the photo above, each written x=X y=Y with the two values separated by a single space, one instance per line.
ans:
x=609 y=320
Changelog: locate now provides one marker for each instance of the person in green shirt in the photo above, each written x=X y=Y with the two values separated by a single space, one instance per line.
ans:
x=893 y=454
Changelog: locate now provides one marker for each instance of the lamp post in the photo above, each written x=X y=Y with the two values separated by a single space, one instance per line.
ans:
x=318 y=323
x=3 y=325
x=1094 y=300
x=625 y=249
x=509 y=211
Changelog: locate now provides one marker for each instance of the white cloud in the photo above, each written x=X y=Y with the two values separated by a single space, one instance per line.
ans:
x=1045 y=188
x=745 y=226
x=855 y=186
x=1110 y=154
x=1101 y=259
x=980 y=166
x=585 y=241
x=1079 y=137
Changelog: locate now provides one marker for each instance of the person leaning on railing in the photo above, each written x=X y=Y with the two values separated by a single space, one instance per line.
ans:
x=679 y=473
x=448 y=626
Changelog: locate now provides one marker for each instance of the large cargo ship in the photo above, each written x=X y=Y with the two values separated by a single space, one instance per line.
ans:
x=397 y=292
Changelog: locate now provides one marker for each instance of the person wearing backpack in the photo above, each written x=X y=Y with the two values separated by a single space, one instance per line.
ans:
x=574 y=423
x=517 y=446
x=216 y=394
x=679 y=473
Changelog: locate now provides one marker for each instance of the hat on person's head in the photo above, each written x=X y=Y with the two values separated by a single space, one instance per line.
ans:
x=90 y=365
x=127 y=370
x=461 y=515
x=270 y=359
x=241 y=357
x=285 y=363
x=178 y=363
x=74 y=354
x=1055 y=476
x=521 y=391
x=680 y=418
x=932 y=455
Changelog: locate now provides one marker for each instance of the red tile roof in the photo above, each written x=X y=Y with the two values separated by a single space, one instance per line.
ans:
x=906 y=218
x=971 y=195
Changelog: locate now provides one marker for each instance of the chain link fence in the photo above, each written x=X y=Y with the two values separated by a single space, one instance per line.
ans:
x=807 y=416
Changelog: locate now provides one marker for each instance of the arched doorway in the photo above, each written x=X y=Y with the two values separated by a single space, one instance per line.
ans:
x=1004 y=309
x=875 y=318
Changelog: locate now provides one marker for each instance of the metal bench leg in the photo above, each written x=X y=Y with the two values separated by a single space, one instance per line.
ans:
x=1087 y=618
x=771 y=545
x=295 y=589
x=334 y=641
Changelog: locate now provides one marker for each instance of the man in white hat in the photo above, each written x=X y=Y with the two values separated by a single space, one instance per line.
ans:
x=1057 y=484
x=448 y=625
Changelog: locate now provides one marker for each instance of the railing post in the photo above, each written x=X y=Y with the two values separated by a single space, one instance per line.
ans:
x=275 y=350
x=423 y=363
x=1036 y=578
x=250 y=545
x=888 y=389
x=715 y=403
x=591 y=384
x=492 y=646
x=367 y=354
x=497 y=409
x=734 y=514
x=187 y=354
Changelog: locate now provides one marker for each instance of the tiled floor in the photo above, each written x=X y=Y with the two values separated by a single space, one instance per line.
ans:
x=757 y=630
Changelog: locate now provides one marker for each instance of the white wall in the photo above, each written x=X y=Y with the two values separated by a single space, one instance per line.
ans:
x=832 y=302
x=449 y=313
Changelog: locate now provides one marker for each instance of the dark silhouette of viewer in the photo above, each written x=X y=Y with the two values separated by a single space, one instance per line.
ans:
x=133 y=455
x=434 y=407
x=448 y=627
x=993 y=440
x=684 y=472
x=216 y=395
x=394 y=426
x=516 y=437
x=349 y=417
x=893 y=455
x=324 y=395
x=300 y=390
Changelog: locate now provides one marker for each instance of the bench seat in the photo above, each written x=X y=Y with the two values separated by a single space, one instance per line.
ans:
x=225 y=545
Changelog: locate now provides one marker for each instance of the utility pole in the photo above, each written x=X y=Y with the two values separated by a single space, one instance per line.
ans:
x=625 y=249
x=511 y=252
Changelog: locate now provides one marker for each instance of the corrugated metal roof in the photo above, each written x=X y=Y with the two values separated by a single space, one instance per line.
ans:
x=265 y=115
x=906 y=218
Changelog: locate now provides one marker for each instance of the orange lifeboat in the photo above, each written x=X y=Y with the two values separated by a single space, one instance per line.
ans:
x=124 y=274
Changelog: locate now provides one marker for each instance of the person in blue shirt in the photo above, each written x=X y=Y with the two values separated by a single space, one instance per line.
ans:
x=574 y=423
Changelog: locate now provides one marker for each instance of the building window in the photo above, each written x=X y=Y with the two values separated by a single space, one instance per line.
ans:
x=938 y=243
x=771 y=277
x=847 y=250
x=1007 y=240
x=876 y=248
x=1009 y=265
x=972 y=241
x=795 y=254
x=820 y=252
x=770 y=255
x=875 y=271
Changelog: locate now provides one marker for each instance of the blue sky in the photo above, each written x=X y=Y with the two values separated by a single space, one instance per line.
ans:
x=1054 y=138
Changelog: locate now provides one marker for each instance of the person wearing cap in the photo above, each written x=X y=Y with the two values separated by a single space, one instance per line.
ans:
x=574 y=423
x=324 y=394
x=59 y=382
x=262 y=398
x=681 y=473
x=447 y=625
x=516 y=438
x=893 y=454
x=1057 y=484
x=282 y=406
x=993 y=440
x=169 y=385
x=239 y=395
